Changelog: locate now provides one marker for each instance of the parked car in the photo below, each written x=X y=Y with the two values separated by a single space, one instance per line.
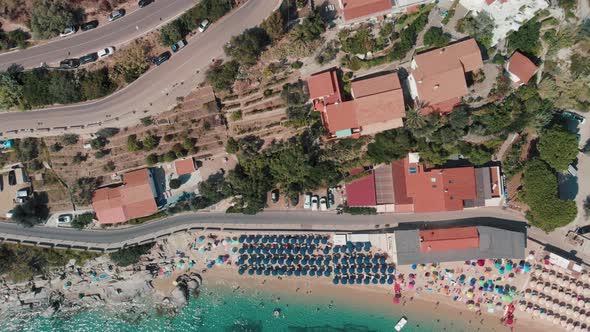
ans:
x=116 y=14
x=22 y=193
x=69 y=30
x=294 y=200
x=106 y=52
x=143 y=3
x=314 y=202
x=331 y=200
x=1 y=183
x=160 y=59
x=11 y=178
x=323 y=204
x=203 y=26
x=69 y=64
x=178 y=46
x=88 y=58
x=64 y=219
x=274 y=195
x=307 y=203
x=21 y=200
x=89 y=25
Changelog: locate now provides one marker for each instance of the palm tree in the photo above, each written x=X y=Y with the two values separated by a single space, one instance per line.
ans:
x=415 y=120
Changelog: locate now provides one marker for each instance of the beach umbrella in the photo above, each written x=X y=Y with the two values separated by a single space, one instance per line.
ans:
x=375 y=280
x=297 y=272
x=351 y=270
x=375 y=260
x=241 y=271
x=251 y=271
x=367 y=269
x=344 y=281
x=335 y=281
x=327 y=273
x=312 y=273
x=324 y=239
x=336 y=249
x=267 y=272
x=521 y=306
x=366 y=281
x=383 y=269
x=579 y=289
x=382 y=260
x=320 y=272
x=547 y=289
x=316 y=240
x=359 y=269
x=375 y=269
x=310 y=250
x=281 y=271
x=259 y=271
x=337 y=270
x=326 y=251
x=336 y=260
x=382 y=280
x=289 y=272
x=359 y=280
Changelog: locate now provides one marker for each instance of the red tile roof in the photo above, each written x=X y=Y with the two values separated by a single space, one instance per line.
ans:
x=521 y=67
x=399 y=183
x=324 y=85
x=185 y=166
x=375 y=85
x=341 y=116
x=439 y=190
x=459 y=238
x=133 y=199
x=354 y=9
x=361 y=192
x=440 y=74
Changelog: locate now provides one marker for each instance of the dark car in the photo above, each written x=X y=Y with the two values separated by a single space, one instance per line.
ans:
x=1 y=183
x=69 y=64
x=274 y=195
x=88 y=58
x=89 y=25
x=331 y=200
x=143 y=3
x=11 y=178
x=160 y=59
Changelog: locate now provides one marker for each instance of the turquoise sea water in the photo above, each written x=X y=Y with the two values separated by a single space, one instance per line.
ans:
x=224 y=310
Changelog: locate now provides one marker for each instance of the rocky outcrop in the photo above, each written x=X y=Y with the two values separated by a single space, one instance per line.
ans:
x=187 y=286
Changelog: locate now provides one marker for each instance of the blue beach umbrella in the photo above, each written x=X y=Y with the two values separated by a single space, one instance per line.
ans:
x=324 y=240
x=336 y=249
x=304 y=261
x=264 y=240
x=241 y=250
x=316 y=240
x=275 y=272
x=281 y=261
x=375 y=281
x=267 y=272
x=390 y=281
x=359 y=260
x=273 y=261
x=274 y=238
x=273 y=250
x=250 y=260
x=280 y=238
x=304 y=272
x=281 y=271
x=382 y=260
x=336 y=260
x=383 y=269
x=259 y=260
x=310 y=250
x=390 y=269
x=327 y=273
x=367 y=260
x=337 y=270
x=249 y=239
x=240 y=261
x=259 y=271
x=374 y=260
x=289 y=261
x=257 y=250
x=266 y=260
x=326 y=251
x=320 y=273
x=312 y=261
x=312 y=273
x=308 y=240
x=297 y=272
x=251 y=271
x=351 y=270
x=349 y=245
x=335 y=281
x=250 y=250
x=265 y=251
x=344 y=281
x=359 y=280
x=242 y=238
x=367 y=269
x=375 y=269
x=289 y=251
x=281 y=251
x=241 y=271
x=289 y=272
x=358 y=246
x=366 y=281
x=382 y=280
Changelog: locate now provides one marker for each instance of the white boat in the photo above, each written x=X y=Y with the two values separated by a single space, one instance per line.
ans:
x=401 y=323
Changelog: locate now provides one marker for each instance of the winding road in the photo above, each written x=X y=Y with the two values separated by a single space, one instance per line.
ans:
x=133 y=25
x=154 y=92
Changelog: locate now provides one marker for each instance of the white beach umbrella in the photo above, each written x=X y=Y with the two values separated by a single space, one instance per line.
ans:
x=561 y=294
x=543 y=315
x=555 y=306
x=536 y=312
x=563 y=322
x=521 y=307
x=577 y=328
x=539 y=286
x=576 y=314
x=572 y=285
x=569 y=311
x=587 y=305
x=529 y=309
x=542 y=301
x=527 y=295
x=586 y=291
x=587 y=319
x=545 y=275
x=547 y=290
x=554 y=291
x=584 y=277
x=580 y=303
x=562 y=309
x=533 y=284
x=556 y=320
x=568 y=297
x=579 y=289
x=552 y=278
x=562 y=282
x=569 y=326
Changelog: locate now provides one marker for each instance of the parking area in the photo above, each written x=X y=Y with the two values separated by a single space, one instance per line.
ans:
x=64 y=218
x=321 y=200
x=15 y=188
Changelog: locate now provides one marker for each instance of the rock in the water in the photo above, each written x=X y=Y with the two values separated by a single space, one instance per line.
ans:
x=177 y=297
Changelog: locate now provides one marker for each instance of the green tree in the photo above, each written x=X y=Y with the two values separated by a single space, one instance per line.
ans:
x=170 y=156
x=132 y=63
x=11 y=92
x=246 y=47
x=83 y=190
x=558 y=148
x=172 y=33
x=82 y=220
x=99 y=142
x=527 y=38
x=69 y=139
x=78 y=158
x=152 y=159
x=546 y=210
x=151 y=142
x=107 y=132
x=96 y=84
x=27 y=149
x=50 y=17
x=274 y=25
x=133 y=144
x=232 y=146
x=222 y=77
x=390 y=145
x=31 y=213
x=435 y=37
x=310 y=29
x=480 y=27
x=109 y=166
x=129 y=256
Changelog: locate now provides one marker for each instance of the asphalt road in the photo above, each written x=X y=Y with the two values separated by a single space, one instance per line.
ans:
x=156 y=91
x=268 y=220
x=136 y=23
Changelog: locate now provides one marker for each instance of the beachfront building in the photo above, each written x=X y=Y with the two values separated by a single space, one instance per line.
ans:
x=438 y=79
x=357 y=11
x=377 y=104
x=454 y=244
x=134 y=198
x=407 y=186
x=185 y=166
x=520 y=69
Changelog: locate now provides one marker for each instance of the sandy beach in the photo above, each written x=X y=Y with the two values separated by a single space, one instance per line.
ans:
x=452 y=315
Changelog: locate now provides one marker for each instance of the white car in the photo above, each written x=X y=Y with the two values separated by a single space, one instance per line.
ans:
x=307 y=203
x=203 y=26
x=106 y=52
x=323 y=204
x=64 y=219
x=68 y=31
x=314 y=202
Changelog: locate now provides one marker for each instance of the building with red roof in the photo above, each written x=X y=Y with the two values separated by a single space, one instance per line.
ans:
x=444 y=239
x=520 y=69
x=377 y=104
x=185 y=166
x=134 y=198
x=438 y=77
x=354 y=10
x=408 y=186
